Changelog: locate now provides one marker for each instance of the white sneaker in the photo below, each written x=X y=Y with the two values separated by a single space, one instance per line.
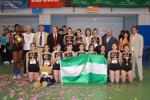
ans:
x=6 y=62
x=141 y=79
x=14 y=77
x=18 y=76
x=12 y=61
x=25 y=75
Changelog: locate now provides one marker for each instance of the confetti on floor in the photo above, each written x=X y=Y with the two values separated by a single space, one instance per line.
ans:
x=11 y=89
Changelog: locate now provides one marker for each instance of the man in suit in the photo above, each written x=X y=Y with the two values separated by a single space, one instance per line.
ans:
x=40 y=38
x=54 y=39
x=108 y=40
x=136 y=46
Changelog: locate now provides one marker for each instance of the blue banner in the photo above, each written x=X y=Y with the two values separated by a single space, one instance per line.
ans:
x=48 y=28
x=8 y=4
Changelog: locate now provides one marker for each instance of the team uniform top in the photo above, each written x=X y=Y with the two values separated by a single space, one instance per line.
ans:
x=69 y=39
x=127 y=61
x=79 y=39
x=114 y=60
x=33 y=61
x=95 y=40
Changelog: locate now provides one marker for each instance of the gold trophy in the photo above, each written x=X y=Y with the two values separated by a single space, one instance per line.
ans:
x=68 y=40
x=67 y=55
x=46 y=57
x=114 y=58
x=79 y=39
x=18 y=38
x=47 y=62
x=94 y=40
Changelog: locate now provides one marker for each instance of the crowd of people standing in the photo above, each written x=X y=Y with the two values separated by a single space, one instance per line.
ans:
x=41 y=48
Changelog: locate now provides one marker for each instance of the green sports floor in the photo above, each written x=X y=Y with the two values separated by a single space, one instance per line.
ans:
x=20 y=89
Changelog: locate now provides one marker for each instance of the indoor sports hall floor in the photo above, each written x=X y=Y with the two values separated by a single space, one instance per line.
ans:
x=20 y=89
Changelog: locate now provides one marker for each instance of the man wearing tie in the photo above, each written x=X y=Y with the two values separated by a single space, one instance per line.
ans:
x=40 y=38
x=136 y=46
x=54 y=39
x=108 y=40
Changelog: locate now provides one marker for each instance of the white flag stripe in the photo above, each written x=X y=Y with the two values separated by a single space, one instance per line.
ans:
x=72 y=71
x=98 y=68
x=78 y=70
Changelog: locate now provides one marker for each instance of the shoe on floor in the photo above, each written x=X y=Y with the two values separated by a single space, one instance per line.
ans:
x=141 y=79
x=25 y=75
x=6 y=62
x=14 y=77
x=18 y=76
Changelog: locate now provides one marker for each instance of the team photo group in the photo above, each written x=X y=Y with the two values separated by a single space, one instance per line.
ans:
x=41 y=49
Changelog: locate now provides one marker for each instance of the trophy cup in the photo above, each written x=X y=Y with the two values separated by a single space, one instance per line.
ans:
x=114 y=58
x=46 y=62
x=79 y=39
x=18 y=38
x=68 y=40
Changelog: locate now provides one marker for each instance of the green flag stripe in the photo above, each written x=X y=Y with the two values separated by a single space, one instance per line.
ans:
x=86 y=78
x=79 y=60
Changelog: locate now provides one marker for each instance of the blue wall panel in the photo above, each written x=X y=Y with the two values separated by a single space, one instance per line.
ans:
x=145 y=31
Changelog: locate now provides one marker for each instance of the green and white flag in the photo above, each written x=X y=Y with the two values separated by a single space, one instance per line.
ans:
x=86 y=68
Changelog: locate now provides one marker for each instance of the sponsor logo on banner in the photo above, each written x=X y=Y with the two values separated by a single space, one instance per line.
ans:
x=45 y=4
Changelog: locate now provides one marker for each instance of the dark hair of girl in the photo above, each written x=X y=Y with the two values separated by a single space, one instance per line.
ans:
x=87 y=29
x=91 y=45
x=127 y=32
x=17 y=25
x=32 y=44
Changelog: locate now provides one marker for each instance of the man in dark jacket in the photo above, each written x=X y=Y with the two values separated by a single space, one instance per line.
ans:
x=54 y=38
x=108 y=40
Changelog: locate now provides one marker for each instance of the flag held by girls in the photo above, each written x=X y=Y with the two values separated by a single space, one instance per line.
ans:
x=84 y=69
